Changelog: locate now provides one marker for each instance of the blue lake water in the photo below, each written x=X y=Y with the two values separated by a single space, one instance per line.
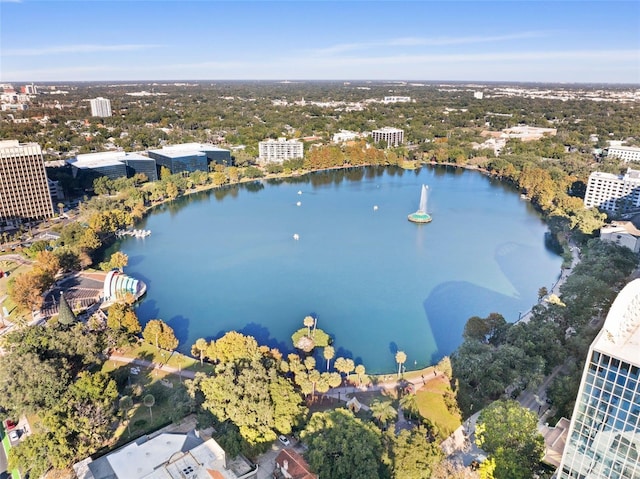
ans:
x=226 y=259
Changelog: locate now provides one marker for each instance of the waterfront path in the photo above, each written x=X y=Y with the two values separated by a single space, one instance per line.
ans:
x=117 y=358
x=564 y=274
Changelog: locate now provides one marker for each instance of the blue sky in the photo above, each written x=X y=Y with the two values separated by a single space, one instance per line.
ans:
x=558 y=41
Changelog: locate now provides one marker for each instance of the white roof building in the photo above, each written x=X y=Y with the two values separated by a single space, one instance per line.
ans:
x=345 y=135
x=165 y=456
x=622 y=233
x=625 y=153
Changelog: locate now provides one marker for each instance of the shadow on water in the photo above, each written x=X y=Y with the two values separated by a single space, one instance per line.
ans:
x=513 y=259
x=134 y=261
x=263 y=336
x=147 y=308
x=393 y=348
x=180 y=326
x=448 y=313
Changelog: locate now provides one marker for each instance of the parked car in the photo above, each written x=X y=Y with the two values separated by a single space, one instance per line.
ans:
x=14 y=436
x=284 y=440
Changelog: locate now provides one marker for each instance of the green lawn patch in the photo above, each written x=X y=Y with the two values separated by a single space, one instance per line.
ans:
x=149 y=352
x=432 y=406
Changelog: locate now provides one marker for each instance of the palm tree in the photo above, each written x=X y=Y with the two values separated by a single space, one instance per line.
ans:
x=383 y=411
x=308 y=322
x=125 y=404
x=329 y=352
x=360 y=370
x=199 y=348
x=310 y=363
x=401 y=357
x=149 y=401
x=409 y=403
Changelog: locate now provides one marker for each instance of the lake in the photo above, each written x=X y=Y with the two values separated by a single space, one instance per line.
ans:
x=227 y=260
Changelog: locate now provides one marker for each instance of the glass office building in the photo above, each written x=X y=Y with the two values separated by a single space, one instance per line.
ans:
x=604 y=436
x=114 y=164
x=190 y=157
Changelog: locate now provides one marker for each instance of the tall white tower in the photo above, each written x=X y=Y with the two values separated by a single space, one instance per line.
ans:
x=100 y=107
x=604 y=436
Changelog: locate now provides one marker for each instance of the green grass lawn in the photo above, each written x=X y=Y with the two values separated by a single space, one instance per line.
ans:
x=149 y=352
x=432 y=406
x=161 y=384
x=6 y=444
x=15 y=269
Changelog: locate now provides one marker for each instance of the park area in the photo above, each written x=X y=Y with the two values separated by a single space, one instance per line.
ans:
x=154 y=383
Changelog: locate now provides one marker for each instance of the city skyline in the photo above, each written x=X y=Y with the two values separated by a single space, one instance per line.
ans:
x=573 y=42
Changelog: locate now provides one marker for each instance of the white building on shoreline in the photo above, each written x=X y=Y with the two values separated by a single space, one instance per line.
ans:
x=277 y=151
x=615 y=193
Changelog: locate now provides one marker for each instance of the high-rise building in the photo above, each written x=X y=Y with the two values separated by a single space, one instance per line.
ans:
x=24 y=192
x=604 y=435
x=100 y=107
x=280 y=150
x=616 y=193
x=392 y=136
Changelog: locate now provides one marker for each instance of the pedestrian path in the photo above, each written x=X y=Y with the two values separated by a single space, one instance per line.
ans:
x=555 y=288
x=151 y=365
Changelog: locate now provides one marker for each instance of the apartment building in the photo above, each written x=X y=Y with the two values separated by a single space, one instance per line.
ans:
x=277 y=151
x=625 y=153
x=100 y=107
x=604 y=435
x=392 y=136
x=24 y=191
x=615 y=193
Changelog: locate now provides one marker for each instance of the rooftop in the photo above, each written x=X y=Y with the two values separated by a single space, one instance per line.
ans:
x=621 y=227
x=105 y=158
x=620 y=334
x=165 y=456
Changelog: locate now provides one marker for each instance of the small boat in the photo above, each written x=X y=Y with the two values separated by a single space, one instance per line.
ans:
x=296 y=236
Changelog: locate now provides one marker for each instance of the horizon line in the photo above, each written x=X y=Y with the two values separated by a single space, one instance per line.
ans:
x=303 y=80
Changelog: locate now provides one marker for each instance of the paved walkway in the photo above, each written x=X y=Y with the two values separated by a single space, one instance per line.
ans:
x=150 y=365
x=564 y=274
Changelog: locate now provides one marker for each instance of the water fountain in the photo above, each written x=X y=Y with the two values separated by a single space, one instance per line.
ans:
x=421 y=216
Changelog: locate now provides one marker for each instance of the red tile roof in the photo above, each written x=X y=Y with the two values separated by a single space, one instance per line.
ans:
x=297 y=467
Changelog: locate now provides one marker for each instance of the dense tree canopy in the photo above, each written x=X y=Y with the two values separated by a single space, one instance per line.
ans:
x=509 y=433
x=341 y=445
x=253 y=395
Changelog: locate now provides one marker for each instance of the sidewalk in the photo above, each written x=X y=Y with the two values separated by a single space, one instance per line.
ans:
x=555 y=288
x=148 y=364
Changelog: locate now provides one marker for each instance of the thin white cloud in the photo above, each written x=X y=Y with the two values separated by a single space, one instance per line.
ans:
x=85 y=48
x=567 y=65
x=427 y=41
x=533 y=56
